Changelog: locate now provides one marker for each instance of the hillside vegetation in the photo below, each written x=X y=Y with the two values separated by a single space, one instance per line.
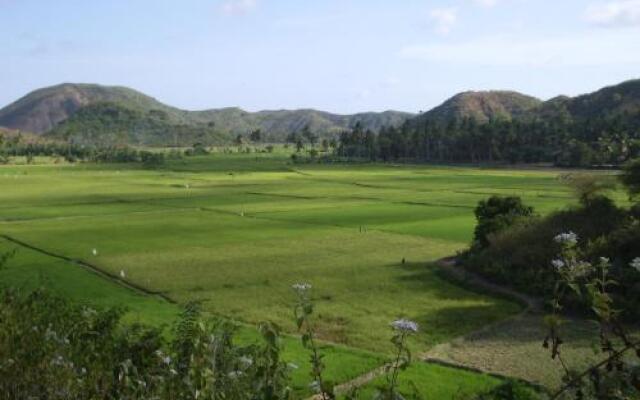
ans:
x=87 y=112
x=602 y=128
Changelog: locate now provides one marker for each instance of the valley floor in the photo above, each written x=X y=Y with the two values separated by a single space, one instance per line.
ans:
x=236 y=231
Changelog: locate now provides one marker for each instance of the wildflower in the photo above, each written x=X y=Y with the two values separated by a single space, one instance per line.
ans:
x=235 y=374
x=122 y=274
x=246 y=360
x=557 y=264
x=604 y=260
x=581 y=269
x=293 y=366
x=315 y=386
x=405 y=325
x=301 y=287
x=635 y=264
x=94 y=252
x=166 y=360
x=568 y=238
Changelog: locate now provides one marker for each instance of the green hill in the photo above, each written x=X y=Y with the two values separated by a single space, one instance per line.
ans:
x=91 y=113
x=483 y=106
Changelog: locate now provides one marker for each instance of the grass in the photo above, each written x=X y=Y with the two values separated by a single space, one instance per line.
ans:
x=29 y=270
x=433 y=381
x=236 y=230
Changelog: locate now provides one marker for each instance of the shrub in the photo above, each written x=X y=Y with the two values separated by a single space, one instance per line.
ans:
x=496 y=214
x=53 y=349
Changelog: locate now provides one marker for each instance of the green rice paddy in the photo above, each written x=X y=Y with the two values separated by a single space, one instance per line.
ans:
x=236 y=231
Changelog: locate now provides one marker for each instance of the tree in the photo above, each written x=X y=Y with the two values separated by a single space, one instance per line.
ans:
x=631 y=177
x=495 y=214
x=239 y=140
x=588 y=187
x=309 y=135
x=256 y=135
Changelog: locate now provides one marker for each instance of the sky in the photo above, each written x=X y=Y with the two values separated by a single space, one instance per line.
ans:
x=341 y=56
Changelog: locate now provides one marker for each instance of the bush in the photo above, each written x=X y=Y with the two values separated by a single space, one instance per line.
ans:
x=511 y=390
x=496 y=214
x=52 y=349
x=518 y=251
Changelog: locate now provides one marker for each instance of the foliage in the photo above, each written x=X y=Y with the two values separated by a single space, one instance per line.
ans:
x=73 y=152
x=630 y=177
x=588 y=188
x=496 y=214
x=303 y=310
x=615 y=377
x=51 y=348
x=519 y=254
x=509 y=390
x=500 y=127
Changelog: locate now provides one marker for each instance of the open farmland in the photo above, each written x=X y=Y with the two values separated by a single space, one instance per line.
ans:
x=235 y=231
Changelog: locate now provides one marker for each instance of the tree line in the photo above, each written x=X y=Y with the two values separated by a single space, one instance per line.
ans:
x=606 y=140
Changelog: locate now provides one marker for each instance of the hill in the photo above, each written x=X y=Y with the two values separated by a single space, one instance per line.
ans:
x=483 y=106
x=621 y=100
x=88 y=112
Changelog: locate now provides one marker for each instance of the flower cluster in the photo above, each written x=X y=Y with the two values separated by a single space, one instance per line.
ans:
x=557 y=264
x=566 y=238
x=635 y=264
x=301 y=287
x=405 y=325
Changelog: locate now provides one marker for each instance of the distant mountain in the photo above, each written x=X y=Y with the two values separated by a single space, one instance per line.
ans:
x=102 y=113
x=622 y=100
x=483 y=106
x=43 y=109
x=618 y=100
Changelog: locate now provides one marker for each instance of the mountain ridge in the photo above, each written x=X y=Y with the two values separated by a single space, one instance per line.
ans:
x=90 y=112
x=47 y=110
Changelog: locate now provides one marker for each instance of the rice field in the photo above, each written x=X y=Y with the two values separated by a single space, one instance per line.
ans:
x=235 y=231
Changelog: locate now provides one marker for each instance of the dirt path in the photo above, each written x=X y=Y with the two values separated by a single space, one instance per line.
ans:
x=531 y=312
x=448 y=266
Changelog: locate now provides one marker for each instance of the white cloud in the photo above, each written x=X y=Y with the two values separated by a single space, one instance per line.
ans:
x=238 y=7
x=614 y=13
x=444 y=19
x=612 y=48
x=486 y=3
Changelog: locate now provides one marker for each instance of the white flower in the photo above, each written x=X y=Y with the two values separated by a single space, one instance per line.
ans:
x=122 y=274
x=635 y=264
x=246 y=360
x=235 y=374
x=94 y=252
x=605 y=260
x=293 y=366
x=315 y=386
x=557 y=264
x=166 y=360
x=568 y=238
x=405 y=325
x=301 y=287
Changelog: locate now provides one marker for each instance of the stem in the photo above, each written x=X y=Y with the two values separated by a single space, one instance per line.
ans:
x=394 y=375
x=316 y=360
x=575 y=380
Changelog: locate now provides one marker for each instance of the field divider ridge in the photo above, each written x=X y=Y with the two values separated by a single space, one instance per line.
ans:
x=93 y=269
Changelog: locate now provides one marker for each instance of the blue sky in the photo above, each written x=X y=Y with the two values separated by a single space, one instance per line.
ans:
x=336 y=55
